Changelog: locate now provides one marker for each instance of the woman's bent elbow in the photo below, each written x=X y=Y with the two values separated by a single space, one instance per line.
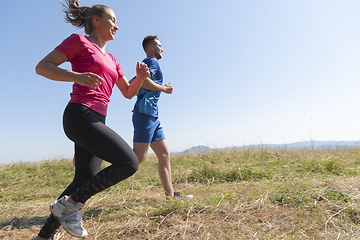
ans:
x=38 y=69
x=129 y=96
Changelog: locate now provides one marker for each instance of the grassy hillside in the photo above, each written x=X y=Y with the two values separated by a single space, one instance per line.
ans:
x=238 y=194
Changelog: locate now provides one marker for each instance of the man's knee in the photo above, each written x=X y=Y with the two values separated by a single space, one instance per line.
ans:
x=141 y=159
x=141 y=150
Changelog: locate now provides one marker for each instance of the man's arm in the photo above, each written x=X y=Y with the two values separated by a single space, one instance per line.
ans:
x=151 y=85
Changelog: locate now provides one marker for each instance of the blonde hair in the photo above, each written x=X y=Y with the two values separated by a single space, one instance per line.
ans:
x=82 y=16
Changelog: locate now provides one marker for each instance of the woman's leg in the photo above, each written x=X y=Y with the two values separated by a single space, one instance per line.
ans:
x=108 y=145
x=86 y=166
x=88 y=130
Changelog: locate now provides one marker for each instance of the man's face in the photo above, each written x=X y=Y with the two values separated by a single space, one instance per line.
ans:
x=158 y=50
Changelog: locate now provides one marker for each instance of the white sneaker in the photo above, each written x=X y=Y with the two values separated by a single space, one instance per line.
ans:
x=178 y=195
x=70 y=217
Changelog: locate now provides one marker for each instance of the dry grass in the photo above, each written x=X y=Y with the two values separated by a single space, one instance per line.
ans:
x=247 y=194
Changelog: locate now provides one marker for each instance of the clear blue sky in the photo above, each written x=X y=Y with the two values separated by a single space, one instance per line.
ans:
x=244 y=72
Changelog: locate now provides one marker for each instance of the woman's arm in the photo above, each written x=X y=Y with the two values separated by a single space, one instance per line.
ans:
x=48 y=67
x=130 y=90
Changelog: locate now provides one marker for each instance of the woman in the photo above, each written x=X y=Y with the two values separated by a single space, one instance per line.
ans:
x=94 y=73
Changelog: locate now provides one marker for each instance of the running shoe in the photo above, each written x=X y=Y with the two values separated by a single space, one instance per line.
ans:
x=70 y=217
x=178 y=195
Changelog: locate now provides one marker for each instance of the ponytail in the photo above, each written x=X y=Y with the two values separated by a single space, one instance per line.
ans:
x=82 y=16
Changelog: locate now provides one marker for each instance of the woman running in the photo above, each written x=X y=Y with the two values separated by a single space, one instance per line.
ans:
x=94 y=73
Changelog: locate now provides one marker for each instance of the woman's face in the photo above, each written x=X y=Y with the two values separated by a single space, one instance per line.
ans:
x=107 y=25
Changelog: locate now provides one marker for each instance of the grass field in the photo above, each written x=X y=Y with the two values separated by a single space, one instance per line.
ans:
x=238 y=194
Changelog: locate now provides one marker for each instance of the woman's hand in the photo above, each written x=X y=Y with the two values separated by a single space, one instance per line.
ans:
x=48 y=67
x=142 y=71
x=88 y=79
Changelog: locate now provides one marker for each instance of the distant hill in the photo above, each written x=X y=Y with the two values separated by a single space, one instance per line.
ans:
x=197 y=149
x=295 y=145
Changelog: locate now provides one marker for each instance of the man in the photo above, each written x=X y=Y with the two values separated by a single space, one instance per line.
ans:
x=147 y=129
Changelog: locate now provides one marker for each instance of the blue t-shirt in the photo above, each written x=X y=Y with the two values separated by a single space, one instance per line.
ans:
x=147 y=100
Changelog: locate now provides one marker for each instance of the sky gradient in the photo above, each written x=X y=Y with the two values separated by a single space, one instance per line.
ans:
x=244 y=72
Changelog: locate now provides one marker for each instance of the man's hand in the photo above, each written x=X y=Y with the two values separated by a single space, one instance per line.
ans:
x=168 y=88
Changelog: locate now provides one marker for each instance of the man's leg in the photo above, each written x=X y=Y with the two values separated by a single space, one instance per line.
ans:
x=141 y=150
x=162 y=152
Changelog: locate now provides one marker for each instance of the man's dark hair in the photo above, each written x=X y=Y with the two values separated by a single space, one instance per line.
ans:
x=149 y=39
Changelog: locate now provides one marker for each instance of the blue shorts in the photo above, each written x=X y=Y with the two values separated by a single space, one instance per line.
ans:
x=147 y=129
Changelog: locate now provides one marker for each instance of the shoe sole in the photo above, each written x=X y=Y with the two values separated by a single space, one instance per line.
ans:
x=188 y=197
x=69 y=231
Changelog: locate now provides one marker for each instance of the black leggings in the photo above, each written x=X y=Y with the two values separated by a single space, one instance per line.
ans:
x=94 y=142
